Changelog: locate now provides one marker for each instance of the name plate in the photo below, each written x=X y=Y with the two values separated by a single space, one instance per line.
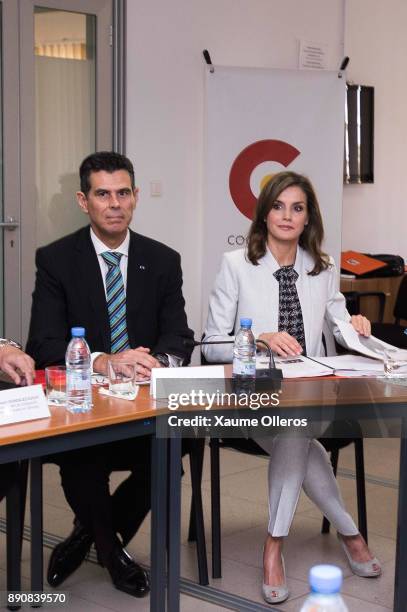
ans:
x=23 y=404
x=166 y=381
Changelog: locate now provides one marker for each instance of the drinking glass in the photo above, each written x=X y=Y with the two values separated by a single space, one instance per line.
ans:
x=122 y=380
x=392 y=366
x=55 y=378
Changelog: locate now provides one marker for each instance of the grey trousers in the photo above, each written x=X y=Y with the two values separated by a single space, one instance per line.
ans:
x=296 y=463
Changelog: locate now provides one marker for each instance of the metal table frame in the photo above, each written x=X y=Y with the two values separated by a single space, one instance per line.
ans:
x=40 y=447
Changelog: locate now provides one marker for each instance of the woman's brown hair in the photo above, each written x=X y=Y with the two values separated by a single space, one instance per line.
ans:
x=313 y=234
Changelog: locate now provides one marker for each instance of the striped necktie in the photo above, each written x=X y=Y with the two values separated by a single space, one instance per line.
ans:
x=116 y=303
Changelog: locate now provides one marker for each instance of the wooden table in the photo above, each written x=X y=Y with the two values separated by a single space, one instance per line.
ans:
x=109 y=420
x=319 y=399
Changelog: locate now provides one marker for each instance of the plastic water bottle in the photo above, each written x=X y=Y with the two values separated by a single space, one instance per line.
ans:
x=325 y=582
x=244 y=353
x=78 y=373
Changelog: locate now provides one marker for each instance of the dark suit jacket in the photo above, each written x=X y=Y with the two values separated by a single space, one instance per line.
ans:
x=69 y=292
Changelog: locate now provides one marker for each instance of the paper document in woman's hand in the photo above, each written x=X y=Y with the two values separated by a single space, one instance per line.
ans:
x=371 y=346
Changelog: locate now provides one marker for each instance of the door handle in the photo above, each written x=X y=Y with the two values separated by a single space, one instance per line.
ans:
x=10 y=224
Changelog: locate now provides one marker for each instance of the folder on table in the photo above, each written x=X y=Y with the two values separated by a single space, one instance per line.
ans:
x=357 y=263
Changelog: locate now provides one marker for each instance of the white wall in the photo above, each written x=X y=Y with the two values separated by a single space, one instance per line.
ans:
x=165 y=113
x=375 y=216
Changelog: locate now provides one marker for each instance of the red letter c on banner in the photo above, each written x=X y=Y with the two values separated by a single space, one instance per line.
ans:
x=246 y=162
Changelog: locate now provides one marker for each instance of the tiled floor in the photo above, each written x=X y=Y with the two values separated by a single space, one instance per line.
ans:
x=244 y=520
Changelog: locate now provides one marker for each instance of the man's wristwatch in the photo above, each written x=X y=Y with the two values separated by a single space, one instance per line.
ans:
x=163 y=359
x=6 y=342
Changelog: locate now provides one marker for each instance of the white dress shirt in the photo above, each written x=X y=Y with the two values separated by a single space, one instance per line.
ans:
x=100 y=248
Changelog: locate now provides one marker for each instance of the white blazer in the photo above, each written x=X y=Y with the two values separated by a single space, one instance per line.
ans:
x=244 y=290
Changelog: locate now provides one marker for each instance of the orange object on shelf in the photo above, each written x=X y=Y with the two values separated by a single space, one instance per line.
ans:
x=357 y=263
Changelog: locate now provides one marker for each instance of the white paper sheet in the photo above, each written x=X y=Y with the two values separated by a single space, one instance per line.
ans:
x=355 y=365
x=352 y=362
x=297 y=367
x=371 y=346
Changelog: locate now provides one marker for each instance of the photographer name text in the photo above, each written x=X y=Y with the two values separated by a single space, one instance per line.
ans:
x=223 y=421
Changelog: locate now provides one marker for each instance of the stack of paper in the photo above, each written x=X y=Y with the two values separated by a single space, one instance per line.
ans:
x=371 y=346
x=297 y=367
x=354 y=365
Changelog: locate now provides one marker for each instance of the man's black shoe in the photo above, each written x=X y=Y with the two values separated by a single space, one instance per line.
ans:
x=126 y=575
x=68 y=556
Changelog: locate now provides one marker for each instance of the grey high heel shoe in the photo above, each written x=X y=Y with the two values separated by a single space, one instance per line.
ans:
x=364 y=569
x=281 y=591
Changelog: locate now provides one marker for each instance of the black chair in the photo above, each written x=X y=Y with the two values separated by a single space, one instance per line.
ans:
x=350 y=433
x=393 y=333
x=354 y=298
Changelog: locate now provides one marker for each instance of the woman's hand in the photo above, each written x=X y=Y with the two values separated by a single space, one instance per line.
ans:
x=361 y=324
x=282 y=343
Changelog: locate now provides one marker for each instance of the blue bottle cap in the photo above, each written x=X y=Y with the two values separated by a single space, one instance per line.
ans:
x=325 y=579
x=78 y=332
x=245 y=322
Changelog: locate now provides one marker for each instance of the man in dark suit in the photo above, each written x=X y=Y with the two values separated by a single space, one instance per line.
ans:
x=126 y=290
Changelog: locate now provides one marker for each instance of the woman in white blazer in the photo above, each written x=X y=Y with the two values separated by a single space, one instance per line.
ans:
x=289 y=288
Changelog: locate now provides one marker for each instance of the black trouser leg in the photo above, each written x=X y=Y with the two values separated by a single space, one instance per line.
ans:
x=8 y=475
x=131 y=501
x=86 y=488
x=85 y=480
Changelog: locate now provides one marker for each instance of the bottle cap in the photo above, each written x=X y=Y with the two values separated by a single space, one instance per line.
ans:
x=325 y=579
x=78 y=332
x=245 y=322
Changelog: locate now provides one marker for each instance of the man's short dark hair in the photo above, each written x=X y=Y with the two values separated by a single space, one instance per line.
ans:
x=108 y=161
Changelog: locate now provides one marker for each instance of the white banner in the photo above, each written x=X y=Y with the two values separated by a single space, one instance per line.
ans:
x=260 y=122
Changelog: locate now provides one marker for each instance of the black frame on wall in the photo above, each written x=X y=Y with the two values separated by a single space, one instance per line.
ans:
x=359 y=134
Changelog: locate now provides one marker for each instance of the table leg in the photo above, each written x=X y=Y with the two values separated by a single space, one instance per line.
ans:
x=14 y=537
x=174 y=526
x=215 y=510
x=37 y=560
x=158 y=523
x=400 y=583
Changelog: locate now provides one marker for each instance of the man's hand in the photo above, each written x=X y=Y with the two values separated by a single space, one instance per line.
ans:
x=282 y=343
x=361 y=324
x=17 y=364
x=140 y=357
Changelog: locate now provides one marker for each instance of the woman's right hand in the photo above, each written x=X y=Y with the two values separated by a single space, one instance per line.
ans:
x=282 y=343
